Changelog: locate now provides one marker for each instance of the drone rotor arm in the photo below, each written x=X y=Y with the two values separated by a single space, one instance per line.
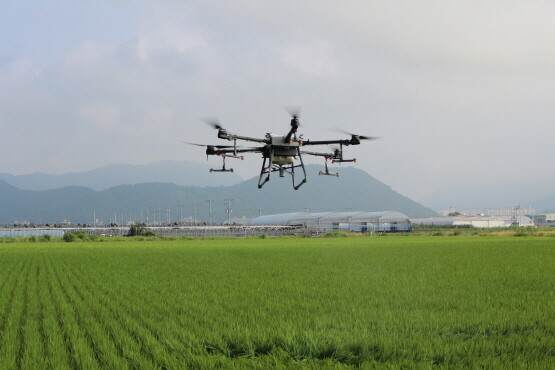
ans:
x=326 y=155
x=326 y=142
x=213 y=146
x=242 y=150
x=246 y=138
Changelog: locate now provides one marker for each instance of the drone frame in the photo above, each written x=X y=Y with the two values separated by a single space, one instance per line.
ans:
x=279 y=153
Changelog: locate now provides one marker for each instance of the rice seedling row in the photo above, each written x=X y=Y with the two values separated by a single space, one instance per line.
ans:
x=296 y=303
x=144 y=340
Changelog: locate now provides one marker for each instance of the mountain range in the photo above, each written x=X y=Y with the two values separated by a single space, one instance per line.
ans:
x=354 y=190
x=545 y=204
x=482 y=195
x=183 y=173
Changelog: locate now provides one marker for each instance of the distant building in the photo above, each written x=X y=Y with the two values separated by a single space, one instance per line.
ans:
x=513 y=211
x=475 y=221
x=21 y=233
x=22 y=223
x=544 y=219
x=360 y=221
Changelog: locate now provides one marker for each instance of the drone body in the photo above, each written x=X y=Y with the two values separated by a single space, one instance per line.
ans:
x=280 y=153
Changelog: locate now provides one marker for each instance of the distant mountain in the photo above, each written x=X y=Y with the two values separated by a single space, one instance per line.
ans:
x=545 y=205
x=485 y=194
x=354 y=189
x=176 y=172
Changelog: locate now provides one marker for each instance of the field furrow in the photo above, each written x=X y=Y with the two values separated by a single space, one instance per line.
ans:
x=11 y=339
x=149 y=347
x=7 y=291
x=23 y=330
x=56 y=340
x=279 y=303
x=188 y=315
x=170 y=337
x=98 y=327
x=79 y=353
x=36 y=340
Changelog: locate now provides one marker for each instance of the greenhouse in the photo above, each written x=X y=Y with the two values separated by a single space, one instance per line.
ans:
x=22 y=233
x=360 y=221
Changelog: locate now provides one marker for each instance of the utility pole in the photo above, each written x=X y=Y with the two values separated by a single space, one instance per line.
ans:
x=229 y=210
x=195 y=213
x=181 y=212
x=210 y=201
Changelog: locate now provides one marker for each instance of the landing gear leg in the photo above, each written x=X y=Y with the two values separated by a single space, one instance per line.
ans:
x=296 y=187
x=265 y=169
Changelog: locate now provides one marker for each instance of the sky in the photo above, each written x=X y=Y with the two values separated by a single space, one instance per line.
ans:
x=460 y=93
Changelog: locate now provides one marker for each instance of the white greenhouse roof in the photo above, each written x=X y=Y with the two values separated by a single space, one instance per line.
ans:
x=329 y=217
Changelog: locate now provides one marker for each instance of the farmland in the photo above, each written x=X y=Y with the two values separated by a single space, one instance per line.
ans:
x=295 y=303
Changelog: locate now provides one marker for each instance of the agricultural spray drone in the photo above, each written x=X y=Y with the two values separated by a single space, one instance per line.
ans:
x=280 y=153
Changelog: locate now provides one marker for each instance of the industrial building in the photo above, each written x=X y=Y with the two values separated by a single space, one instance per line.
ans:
x=544 y=219
x=386 y=221
x=475 y=221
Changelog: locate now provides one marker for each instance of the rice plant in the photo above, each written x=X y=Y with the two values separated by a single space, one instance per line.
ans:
x=294 y=303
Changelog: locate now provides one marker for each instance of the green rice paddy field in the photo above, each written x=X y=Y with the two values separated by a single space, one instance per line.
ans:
x=365 y=302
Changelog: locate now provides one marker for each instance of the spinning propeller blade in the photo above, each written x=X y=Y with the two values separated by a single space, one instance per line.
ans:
x=360 y=137
x=293 y=111
x=214 y=146
x=213 y=122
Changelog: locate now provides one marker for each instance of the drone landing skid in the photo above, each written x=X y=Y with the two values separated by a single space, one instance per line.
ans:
x=343 y=160
x=327 y=171
x=223 y=169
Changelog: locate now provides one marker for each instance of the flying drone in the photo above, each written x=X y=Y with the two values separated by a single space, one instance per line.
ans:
x=280 y=153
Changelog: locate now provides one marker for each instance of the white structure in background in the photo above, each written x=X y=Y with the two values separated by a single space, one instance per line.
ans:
x=475 y=220
x=514 y=211
x=351 y=221
x=21 y=233
x=544 y=219
x=510 y=211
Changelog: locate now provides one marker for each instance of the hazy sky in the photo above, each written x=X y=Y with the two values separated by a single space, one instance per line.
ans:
x=461 y=93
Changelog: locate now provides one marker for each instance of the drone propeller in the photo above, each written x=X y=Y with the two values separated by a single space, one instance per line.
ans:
x=294 y=111
x=214 y=146
x=213 y=122
x=360 y=137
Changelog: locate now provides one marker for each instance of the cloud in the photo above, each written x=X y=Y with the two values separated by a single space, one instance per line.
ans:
x=104 y=115
x=455 y=89
x=312 y=58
